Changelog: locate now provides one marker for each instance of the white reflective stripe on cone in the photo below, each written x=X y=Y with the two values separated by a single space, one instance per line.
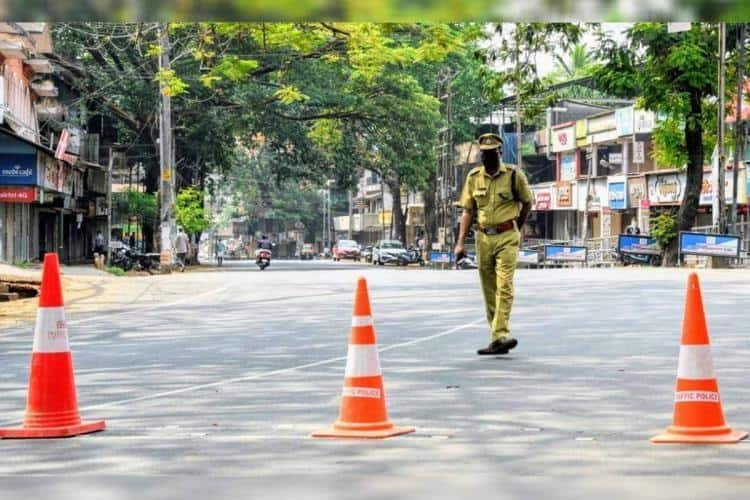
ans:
x=362 y=361
x=361 y=320
x=51 y=332
x=695 y=362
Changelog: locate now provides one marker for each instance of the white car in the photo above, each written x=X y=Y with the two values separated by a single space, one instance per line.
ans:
x=388 y=252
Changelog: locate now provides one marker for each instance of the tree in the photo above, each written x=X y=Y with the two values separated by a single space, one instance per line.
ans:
x=191 y=214
x=673 y=74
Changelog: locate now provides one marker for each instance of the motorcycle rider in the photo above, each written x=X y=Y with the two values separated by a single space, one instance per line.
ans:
x=264 y=243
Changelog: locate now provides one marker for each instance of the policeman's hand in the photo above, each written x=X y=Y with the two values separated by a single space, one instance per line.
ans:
x=459 y=252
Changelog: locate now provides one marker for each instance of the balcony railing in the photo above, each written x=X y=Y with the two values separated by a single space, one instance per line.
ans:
x=16 y=106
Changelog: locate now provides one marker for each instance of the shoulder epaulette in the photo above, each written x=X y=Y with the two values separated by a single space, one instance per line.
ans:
x=475 y=170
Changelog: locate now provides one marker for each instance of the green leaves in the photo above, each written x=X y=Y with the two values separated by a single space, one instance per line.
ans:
x=289 y=94
x=169 y=83
x=234 y=68
x=191 y=215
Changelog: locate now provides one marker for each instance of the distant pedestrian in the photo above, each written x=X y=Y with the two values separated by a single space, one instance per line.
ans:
x=182 y=246
x=131 y=241
x=99 y=243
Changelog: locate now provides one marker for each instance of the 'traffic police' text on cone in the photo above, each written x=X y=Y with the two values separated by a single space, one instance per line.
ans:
x=363 y=409
x=698 y=415
x=51 y=408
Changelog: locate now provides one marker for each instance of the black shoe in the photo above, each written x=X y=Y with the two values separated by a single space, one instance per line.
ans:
x=501 y=346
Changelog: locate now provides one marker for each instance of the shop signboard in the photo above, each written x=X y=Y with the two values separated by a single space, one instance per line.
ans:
x=18 y=195
x=643 y=121
x=568 y=167
x=563 y=138
x=639 y=244
x=636 y=191
x=542 y=199
x=666 y=189
x=602 y=123
x=581 y=128
x=602 y=137
x=597 y=195
x=528 y=256
x=639 y=152
x=564 y=194
x=18 y=169
x=624 y=121
x=565 y=253
x=618 y=199
x=712 y=245
x=707 y=195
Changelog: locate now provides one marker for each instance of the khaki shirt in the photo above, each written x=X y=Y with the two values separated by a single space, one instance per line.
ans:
x=492 y=197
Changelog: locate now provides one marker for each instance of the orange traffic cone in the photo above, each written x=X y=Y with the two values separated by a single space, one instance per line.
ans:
x=363 y=409
x=698 y=415
x=51 y=408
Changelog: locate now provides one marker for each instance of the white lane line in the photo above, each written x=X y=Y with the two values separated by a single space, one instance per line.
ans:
x=190 y=298
x=271 y=373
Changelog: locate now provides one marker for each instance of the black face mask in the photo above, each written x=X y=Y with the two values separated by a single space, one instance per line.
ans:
x=491 y=159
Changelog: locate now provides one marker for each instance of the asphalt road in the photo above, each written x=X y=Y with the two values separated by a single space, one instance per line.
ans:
x=228 y=375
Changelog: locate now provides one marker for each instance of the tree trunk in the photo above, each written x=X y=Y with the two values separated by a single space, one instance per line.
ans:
x=430 y=211
x=694 y=145
x=398 y=219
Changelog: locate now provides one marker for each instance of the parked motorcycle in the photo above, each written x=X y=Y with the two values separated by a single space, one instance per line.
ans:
x=412 y=256
x=466 y=263
x=127 y=260
x=629 y=259
x=262 y=258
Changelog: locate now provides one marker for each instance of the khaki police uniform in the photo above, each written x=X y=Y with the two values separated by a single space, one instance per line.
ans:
x=491 y=199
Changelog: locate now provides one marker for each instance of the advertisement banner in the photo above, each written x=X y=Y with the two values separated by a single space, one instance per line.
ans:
x=441 y=257
x=707 y=195
x=528 y=256
x=617 y=196
x=639 y=244
x=564 y=194
x=568 y=167
x=666 y=189
x=624 y=121
x=715 y=245
x=18 y=169
x=564 y=139
x=636 y=191
x=542 y=199
x=18 y=195
x=565 y=253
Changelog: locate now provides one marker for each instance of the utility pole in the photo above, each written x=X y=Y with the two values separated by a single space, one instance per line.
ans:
x=351 y=219
x=166 y=159
x=109 y=206
x=720 y=191
x=739 y=139
x=519 y=132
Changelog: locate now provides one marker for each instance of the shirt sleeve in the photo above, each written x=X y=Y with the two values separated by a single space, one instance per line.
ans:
x=466 y=201
x=522 y=187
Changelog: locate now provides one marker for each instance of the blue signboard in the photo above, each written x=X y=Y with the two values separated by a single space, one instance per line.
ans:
x=18 y=169
x=528 y=256
x=565 y=253
x=441 y=257
x=715 y=245
x=618 y=198
x=639 y=244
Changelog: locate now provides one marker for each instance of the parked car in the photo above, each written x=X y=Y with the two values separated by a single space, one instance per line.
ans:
x=346 y=249
x=388 y=252
x=366 y=254
x=307 y=252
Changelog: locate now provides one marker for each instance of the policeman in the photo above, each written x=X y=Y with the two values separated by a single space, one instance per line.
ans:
x=500 y=197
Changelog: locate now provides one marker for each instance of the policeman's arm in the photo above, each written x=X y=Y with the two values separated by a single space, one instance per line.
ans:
x=525 y=208
x=524 y=190
x=466 y=219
